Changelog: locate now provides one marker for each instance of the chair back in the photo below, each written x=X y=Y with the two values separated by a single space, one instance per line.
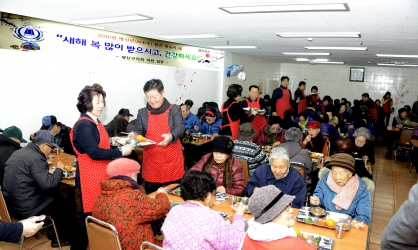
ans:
x=4 y=213
x=102 y=235
x=300 y=167
x=406 y=135
x=245 y=169
x=146 y=243
x=326 y=150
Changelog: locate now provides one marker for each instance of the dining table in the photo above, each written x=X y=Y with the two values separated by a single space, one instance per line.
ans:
x=66 y=159
x=353 y=238
x=199 y=141
x=414 y=142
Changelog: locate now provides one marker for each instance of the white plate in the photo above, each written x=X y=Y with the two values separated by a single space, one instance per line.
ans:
x=49 y=162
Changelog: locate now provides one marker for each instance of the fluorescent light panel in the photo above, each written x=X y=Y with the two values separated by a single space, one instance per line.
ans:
x=319 y=35
x=336 y=48
x=302 y=59
x=111 y=19
x=233 y=47
x=397 y=65
x=390 y=55
x=328 y=62
x=305 y=54
x=286 y=8
x=191 y=36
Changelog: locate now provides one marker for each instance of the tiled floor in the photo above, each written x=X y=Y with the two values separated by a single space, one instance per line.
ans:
x=392 y=187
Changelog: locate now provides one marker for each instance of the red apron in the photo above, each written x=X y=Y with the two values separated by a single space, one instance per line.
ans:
x=91 y=171
x=259 y=121
x=315 y=99
x=161 y=164
x=234 y=126
x=283 y=103
x=302 y=104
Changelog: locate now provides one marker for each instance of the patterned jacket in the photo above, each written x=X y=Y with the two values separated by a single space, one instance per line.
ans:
x=262 y=136
x=251 y=152
x=130 y=211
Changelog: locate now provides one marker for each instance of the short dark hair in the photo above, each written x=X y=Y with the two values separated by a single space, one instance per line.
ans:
x=234 y=90
x=359 y=122
x=154 y=84
x=327 y=98
x=85 y=98
x=287 y=115
x=387 y=93
x=284 y=78
x=310 y=104
x=348 y=102
x=314 y=87
x=275 y=120
x=344 y=145
x=401 y=110
x=266 y=97
x=304 y=115
x=407 y=107
x=344 y=99
x=365 y=95
x=253 y=86
x=189 y=102
x=195 y=185
x=302 y=83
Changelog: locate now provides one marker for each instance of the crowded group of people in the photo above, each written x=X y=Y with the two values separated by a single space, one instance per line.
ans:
x=112 y=179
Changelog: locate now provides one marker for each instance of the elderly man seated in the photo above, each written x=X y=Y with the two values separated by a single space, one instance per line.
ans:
x=28 y=187
x=314 y=141
x=343 y=191
x=189 y=119
x=280 y=174
x=293 y=138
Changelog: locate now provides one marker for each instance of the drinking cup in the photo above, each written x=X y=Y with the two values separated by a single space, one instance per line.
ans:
x=339 y=232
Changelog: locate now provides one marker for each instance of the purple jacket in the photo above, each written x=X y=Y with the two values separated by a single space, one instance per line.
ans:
x=191 y=226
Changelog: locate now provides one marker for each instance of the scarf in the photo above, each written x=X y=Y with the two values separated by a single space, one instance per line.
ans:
x=159 y=110
x=345 y=194
x=126 y=178
x=316 y=144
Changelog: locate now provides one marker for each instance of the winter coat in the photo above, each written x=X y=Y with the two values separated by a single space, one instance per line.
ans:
x=292 y=184
x=211 y=129
x=401 y=232
x=298 y=154
x=262 y=136
x=28 y=186
x=251 y=152
x=360 y=206
x=272 y=235
x=11 y=232
x=367 y=149
x=218 y=174
x=191 y=226
x=130 y=211
x=191 y=121
x=117 y=125
x=7 y=148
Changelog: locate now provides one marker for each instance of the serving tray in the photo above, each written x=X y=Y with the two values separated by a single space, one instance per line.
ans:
x=304 y=217
x=324 y=242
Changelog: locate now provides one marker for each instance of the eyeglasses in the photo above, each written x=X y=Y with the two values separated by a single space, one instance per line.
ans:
x=52 y=147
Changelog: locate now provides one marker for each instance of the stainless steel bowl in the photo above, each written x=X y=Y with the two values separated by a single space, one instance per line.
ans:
x=312 y=242
x=317 y=212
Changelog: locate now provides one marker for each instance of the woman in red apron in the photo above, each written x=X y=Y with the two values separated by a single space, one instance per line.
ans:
x=160 y=121
x=92 y=146
x=232 y=113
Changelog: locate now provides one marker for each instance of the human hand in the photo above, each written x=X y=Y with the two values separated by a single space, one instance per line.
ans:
x=30 y=227
x=365 y=157
x=274 y=114
x=399 y=126
x=254 y=112
x=126 y=150
x=133 y=134
x=114 y=141
x=60 y=165
x=167 y=139
x=215 y=135
x=350 y=127
x=161 y=190
x=220 y=189
x=276 y=143
x=240 y=208
x=314 y=200
x=298 y=100
x=307 y=139
x=196 y=128
x=255 y=189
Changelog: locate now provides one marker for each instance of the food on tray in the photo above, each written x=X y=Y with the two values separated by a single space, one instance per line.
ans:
x=317 y=211
x=309 y=220
x=357 y=224
x=317 y=239
x=247 y=210
x=330 y=222
x=177 y=192
x=69 y=168
x=313 y=155
x=175 y=203
x=141 y=138
x=320 y=223
x=304 y=236
x=297 y=232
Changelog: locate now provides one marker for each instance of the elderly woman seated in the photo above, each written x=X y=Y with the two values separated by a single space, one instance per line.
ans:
x=280 y=174
x=342 y=190
x=272 y=225
x=224 y=168
x=194 y=225
x=363 y=146
x=122 y=204
x=272 y=134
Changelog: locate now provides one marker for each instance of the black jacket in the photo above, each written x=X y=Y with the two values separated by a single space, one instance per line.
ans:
x=27 y=186
x=65 y=141
x=7 y=148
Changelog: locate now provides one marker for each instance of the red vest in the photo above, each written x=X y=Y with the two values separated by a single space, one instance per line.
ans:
x=234 y=126
x=259 y=121
x=283 y=104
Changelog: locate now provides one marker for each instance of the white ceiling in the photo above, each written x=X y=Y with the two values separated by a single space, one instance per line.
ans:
x=386 y=26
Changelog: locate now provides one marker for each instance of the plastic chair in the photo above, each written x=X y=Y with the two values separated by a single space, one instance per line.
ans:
x=146 y=243
x=245 y=168
x=6 y=218
x=102 y=235
x=404 y=142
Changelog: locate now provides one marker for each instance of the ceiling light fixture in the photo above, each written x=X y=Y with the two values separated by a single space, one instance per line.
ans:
x=302 y=59
x=305 y=54
x=390 y=55
x=201 y=36
x=303 y=7
x=397 y=65
x=319 y=62
x=111 y=19
x=336 y=48
x=320 y=34
x=233 y=47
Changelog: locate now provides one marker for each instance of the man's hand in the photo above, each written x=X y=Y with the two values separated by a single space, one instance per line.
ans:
x=255 y=189
x=196 y=128
x=221 y=189
x=276 y=143
x=60 y=165
x=30 y=227
x=126 y=150
x=307 y=139
x=274 y=114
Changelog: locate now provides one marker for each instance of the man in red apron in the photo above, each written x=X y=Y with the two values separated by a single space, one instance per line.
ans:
x=281 y=99
x=300 y=96
x=253 y=101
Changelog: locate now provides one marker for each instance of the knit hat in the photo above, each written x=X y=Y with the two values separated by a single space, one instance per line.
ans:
x=246 y=132
x=211 y=112
x=45 y=136
x=342 y=160
x=125 y=112
x=222 y=144
x=275 y=120
x=123 y=166
x=268 y=202
x=314 y=124
x=14 y=132
x=48 y=122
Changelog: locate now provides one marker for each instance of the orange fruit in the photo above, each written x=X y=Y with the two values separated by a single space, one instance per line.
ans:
x=141 y=138
x=330 y=222
x=297 y=232
x=68 y=168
